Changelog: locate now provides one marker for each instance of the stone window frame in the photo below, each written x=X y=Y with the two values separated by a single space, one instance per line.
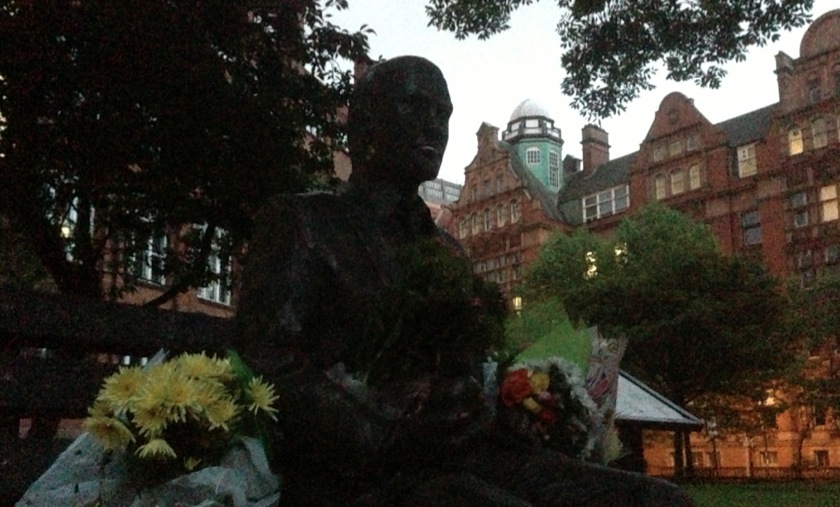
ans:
x=694 y=177
x=747 y=160
x=795 y=141
x=819 y=132
x=660 y=184
x=501 y=214
x=605 y=203
x=218 y=291
x=677 y=181
x=515 y=211
x=488 y=220
x=464 y=227
x=751 y=226
x=829 y=207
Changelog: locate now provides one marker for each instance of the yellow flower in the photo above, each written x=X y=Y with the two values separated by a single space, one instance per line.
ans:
x=181 y=396
x=121 y=387
x=202 y=367
x=111 y=433
x=151 y=420
x=100 y=408
x=262 y=396
x=190 y=463
x=531 y=405
x=539 y=382
x=156 y=447
x=221 y=413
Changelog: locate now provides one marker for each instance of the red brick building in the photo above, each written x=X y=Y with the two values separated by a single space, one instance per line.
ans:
x=766 y=182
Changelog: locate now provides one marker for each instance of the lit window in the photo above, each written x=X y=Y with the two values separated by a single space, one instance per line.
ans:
x=553 y=169
x=694 y=177
x=463 y=228
x=675 y=147
x=532 y=156
x=501 y=215
x=795 y=144
x=150 y=258
x=768 y=458
x=659 y=184
x=751 y=224
x=218 y=289
x=515 y=211
x=659 y=152
x=819 y=133
x=476 y=224
x=746 y=161
x=605 y=203
x=488 y=219
x=828 y=202
x=677 y=182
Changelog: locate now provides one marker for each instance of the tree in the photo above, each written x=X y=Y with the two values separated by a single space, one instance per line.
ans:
x=700 y=324
x=814 y=388
x=611 y=48
x=137 y=116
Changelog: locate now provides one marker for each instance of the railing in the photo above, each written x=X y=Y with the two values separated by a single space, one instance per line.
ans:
x=757 y=473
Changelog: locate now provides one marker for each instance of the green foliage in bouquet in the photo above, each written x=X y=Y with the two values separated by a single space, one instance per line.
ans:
x=179 y=415
x=437 y=317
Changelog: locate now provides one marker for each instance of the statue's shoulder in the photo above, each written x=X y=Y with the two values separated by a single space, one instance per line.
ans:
x=301 y=207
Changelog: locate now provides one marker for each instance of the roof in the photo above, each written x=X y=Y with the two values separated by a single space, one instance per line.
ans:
x=547 y=198
x=580 y=184
x=529 y=108
x=637 y=403
x=749 y=127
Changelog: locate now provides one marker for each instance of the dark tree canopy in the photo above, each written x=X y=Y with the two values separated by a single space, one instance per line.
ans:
x=611 y=48
x=139 y=115
x=698 y=322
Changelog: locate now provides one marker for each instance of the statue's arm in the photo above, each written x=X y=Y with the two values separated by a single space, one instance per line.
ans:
x=287 y=287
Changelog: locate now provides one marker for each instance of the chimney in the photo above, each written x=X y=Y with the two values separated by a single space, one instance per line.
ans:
x=596 y=147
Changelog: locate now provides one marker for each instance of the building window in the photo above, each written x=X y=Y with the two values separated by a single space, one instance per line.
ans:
x=532 y=156
x=501 y=215
x=694 y=177
x=606 y=203
x=675 y=147
x=821 y=458
x=659 y=152
x=488 y=188
x=488 y=219
x=751 y=224
x=799 y=202
x=149 y=261
x=814 y=91
x=659 y=186
x=476 y=224
x=677 y=182
x=795 y=144
x=828 y=203
x=746 y=161
x=832 y=254
x=473 y=192
x=805 y=259
x=768 y=458
x=500 y=184
x=692 y=142
x=463 y=228
x=553 y=169
x=218 y=290
x=515 y=211
x=819 y=133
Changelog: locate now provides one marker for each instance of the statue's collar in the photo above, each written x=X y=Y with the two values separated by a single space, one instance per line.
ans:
x=382 y=198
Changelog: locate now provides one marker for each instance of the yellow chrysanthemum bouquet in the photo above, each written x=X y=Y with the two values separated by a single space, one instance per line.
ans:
x=179 y=415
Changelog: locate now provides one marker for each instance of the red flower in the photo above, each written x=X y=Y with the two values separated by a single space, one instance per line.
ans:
x=547 y=416
x=516 y=387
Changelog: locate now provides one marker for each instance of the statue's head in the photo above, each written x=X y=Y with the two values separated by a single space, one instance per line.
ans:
x=399 y=121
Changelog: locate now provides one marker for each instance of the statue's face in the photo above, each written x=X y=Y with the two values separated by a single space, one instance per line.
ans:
x=410 y=125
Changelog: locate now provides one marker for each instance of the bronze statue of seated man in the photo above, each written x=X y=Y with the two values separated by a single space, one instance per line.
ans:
x=369 y=320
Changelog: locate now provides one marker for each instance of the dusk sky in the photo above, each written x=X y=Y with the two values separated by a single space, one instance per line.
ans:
x=488 y=79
